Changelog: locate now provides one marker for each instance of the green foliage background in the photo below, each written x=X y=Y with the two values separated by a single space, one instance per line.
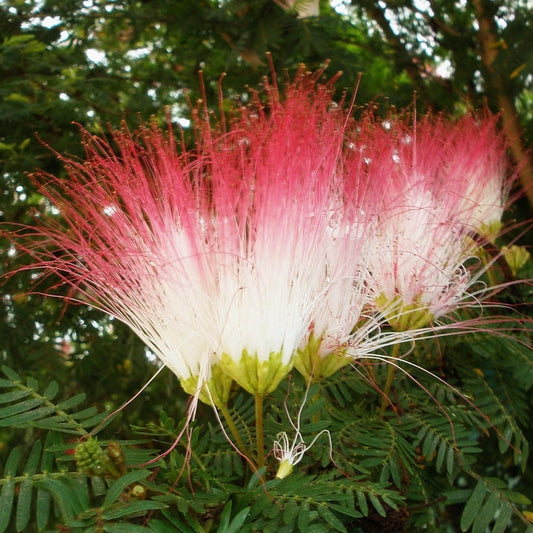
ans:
x=436 y=459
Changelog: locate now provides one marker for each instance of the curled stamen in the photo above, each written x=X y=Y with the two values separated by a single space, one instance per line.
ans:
x=290 y=454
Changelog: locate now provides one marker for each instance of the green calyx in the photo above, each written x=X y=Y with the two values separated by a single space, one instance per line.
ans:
x=403 y=317
x=258 y=377
x=516 y=257
x=312 y=365
x=214 y=391
x=284 y=469
x=490 y=231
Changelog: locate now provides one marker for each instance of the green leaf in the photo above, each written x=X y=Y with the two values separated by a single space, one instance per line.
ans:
x=441 y=455
x=71 y=402
x=117 y=488
x=42 y=508
x=345 y=510
x=330 y=519
x=374 y=500
x=179 y=524
x=132 y=508
x=125 y=528
x=65 y=498
x=450 y=456
x=290 y=511
x=44 y=498
x=256 y=478
x=27 y=407
x=29 y=416
x=12 y=462
x=303 y=517
x=225 y=517
x=52 y=390
x=363 y=504
x=13 y=396
x=7 y=495
x=517 y=497
x=236 y=524
x=473 y=505
x=486 y=513
x=17 y=408
x=158 y=526
x=6 y=503
x=23 y=513
x=504 y=517
x=12 y=375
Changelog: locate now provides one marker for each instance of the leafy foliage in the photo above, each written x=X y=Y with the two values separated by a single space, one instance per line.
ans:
x=367 y=469
x=26 y=407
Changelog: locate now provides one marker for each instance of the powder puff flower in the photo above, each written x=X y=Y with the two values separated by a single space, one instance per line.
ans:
x=214 y=257
x=343 y=305
x=466 y=160
x=434 y=187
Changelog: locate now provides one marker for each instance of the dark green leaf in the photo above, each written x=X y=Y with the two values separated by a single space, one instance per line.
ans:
x=118 y=486
x=486 y=513
x=473 y=505
x=132 y=508
x=504 y=516
x=6 y=504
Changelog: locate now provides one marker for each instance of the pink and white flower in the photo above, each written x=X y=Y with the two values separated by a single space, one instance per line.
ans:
x=288 y=240
x=217 y=258
x=433 y=187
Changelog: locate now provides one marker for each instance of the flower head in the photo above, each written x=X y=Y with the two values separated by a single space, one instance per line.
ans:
x=431 y=188
x=217 y=257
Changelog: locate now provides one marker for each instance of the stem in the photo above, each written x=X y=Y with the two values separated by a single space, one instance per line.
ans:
x=234 y=431
x=388 y=382
x=259 y=430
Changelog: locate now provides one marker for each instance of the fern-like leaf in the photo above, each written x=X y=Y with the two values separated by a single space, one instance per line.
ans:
x=20 y=481
x=24 y=406
x=7 y=496
x=490 y=501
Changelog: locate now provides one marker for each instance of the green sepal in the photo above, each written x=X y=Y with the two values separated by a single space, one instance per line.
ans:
x=214 y=391
x=254 y=375
x=404 y=317
x=284 y=469
x=490 y=231
x=516 y=257
x=312 y=365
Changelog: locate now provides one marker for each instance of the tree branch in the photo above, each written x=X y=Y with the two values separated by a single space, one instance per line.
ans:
x=488 y=40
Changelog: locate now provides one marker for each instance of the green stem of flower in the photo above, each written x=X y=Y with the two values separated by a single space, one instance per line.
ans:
x=259 y=437
x=234 y=431
x=388 y=382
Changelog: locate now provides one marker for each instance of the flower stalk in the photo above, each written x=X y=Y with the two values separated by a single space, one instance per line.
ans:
x=259 y=430
x=233 y=430
x=391 y=371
